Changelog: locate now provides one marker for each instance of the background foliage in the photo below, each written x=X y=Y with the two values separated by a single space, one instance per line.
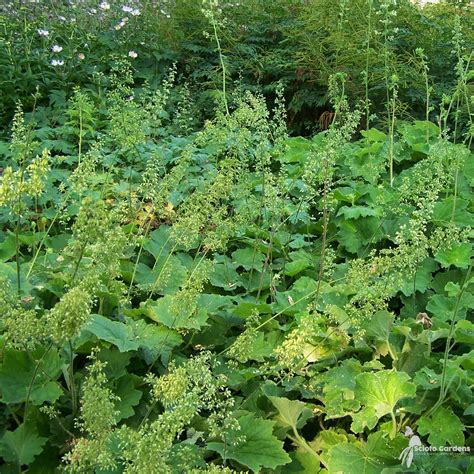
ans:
x=236 y=237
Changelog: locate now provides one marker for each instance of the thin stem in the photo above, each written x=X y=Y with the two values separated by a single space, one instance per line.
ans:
x=72 y=384
x=32 y=264
x=443 y=387
x=80 y=136
x=324 y=237
x=221 y=59
x=366 y=74
x=394 y=425
x=17 y=252
x=33 y=378
x=76 y=268
x=135 y=267
x=392 y=131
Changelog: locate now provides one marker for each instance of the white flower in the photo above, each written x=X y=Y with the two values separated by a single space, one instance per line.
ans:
x=57 y=62
x=42 y=32
x=121 y=24
x=56 y=48
x=127 y=9
x=132 y=54
x=104 y=6
x=81 y=56
x=135 y=12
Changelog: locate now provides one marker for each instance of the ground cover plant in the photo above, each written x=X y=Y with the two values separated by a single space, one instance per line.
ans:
x=228 y=252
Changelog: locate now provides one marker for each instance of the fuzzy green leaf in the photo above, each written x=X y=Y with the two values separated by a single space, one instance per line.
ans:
x=19 y=377
x=354 y=212
x=458 y=255
x=339 y=387
x=289 y=411
x=260 y=448
x=421 y=279
x=7 y=248
x=443 y=427
x=153 y=339
x=22 y=445
x=160 y=311
x=297 y=266
x=379 y=392
x=115 y=332
x=129 y=396
x=362 y=458
x=248 y=258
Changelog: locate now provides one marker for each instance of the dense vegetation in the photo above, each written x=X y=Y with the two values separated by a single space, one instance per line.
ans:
x=248 y=250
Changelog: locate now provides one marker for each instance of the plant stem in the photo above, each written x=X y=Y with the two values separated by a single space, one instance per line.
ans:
x=443 y=388
x=76 y=268
x=221 y=59
x=366 y=74
x=17 y=251
x=394 y=425
x=71 y=379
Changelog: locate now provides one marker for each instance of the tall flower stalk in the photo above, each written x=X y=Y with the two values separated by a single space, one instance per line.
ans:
x=213 y=13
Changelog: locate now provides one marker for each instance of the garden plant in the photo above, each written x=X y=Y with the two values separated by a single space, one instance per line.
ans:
x=236 y=236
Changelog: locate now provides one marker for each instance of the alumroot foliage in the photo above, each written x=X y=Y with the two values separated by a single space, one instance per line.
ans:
x=232 y=300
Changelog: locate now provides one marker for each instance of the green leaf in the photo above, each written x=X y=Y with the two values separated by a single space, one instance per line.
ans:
x=115 y=332
x=296 y=150
x=166 y=277
x=129 y=396
x=116 y=361
x=362 y=458
x=7 y=248
x=160 y=311
x=256 y=280
x=443 y=427
x=443 y=212
x=259 y=349
x=339 y=389
x=248 y=258
x=378 y=329
x=8 y=271
x=34 y=373
x=464 y=333
x=294 y=300
x=257 y=446
x=469 y=410
x=213 y=302
x=444 y=307
x=374 y=135
x=289 y=411
x=453 y=289
x=366 y=418
x=22 y=445
x=295 y=267
x=354 y=233
x=303 y=462
x=155 y=341
x=458 y=255
x=422 y=279
x=354 y=212
x=159 y=244
x=224 y=275
x=379 y=392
